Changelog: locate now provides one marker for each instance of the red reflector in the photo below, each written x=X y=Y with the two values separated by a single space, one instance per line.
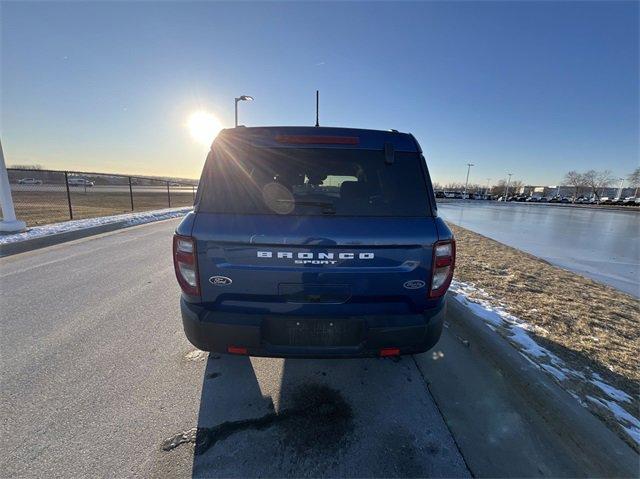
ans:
x=389 y=352
x=236 y=350
x=318 y=140
x=446 y=261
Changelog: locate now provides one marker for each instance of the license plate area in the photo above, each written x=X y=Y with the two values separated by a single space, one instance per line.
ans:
x=313 y=332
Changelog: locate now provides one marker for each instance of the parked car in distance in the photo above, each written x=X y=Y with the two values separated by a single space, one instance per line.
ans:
x=543 y=199
x=440 y=194
x=29 y=181
x=630 y=200
x=564 y=199
x=605 y=200
x=532 y=199
x=80 y=182
x=299 y=247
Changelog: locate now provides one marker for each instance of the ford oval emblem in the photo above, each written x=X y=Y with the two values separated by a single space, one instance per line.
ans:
x=220 y=281
x=414 y=284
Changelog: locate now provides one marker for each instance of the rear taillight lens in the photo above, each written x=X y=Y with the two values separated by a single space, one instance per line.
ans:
x=444 y=258
x=186 y=264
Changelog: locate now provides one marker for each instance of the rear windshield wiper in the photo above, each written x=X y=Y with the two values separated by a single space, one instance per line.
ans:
x=327 y=207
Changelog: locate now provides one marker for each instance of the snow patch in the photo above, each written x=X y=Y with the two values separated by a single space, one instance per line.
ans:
x=518 y=332
x=130 y=219
x=628 y=422
x=612 y=392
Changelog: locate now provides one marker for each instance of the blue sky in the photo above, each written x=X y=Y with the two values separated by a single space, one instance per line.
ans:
x=535 y=88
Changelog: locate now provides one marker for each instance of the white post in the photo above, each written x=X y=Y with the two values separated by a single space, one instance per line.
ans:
x=9 y=223
x=464 y=196
x=620 y=188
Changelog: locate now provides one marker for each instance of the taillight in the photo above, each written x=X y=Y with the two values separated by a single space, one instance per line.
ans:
x=444 y=258
x=186 y=264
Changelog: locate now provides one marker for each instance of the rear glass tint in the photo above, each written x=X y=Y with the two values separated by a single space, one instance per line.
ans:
x=312 y=181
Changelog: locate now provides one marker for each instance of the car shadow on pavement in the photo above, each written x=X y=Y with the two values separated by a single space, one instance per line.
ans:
x=310 y=418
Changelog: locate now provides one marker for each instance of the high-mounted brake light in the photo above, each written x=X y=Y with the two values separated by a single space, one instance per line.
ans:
x=386 y=352
x=185 y=264
x=444 y=258
x=318 y=140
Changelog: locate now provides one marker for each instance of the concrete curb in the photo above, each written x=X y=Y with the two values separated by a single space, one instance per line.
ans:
x=10 y=249
x=605 y=454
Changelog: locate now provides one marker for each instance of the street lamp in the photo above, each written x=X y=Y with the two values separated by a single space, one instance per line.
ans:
x=620 y=188
x=506 y=191
x=486 y=190
x=241 y=98
x=469 y=165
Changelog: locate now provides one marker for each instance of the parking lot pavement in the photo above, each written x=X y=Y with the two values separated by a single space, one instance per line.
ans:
x=98 y=379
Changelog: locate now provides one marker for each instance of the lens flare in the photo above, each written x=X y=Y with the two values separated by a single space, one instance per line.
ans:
x=204 y=127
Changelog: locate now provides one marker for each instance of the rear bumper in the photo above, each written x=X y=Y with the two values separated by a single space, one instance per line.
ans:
x=269 y=335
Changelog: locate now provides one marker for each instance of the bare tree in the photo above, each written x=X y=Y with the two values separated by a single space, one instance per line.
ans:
x=516 y=186
x=453 y=186
x=576 y=180
x=473 y=188
x=498 y=190
x=634 y=180
x=437 y=186
x=596 y=180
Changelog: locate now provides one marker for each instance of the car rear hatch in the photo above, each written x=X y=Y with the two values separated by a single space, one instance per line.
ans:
x=314 y=265
x=309 y=222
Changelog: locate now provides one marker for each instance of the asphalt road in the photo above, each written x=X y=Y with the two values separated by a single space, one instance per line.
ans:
x=98 y=380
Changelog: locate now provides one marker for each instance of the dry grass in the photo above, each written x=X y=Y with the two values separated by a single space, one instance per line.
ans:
x=45 y=207
x=587 y=323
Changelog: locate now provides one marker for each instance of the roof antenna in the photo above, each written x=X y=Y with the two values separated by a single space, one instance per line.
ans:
x=317 y=107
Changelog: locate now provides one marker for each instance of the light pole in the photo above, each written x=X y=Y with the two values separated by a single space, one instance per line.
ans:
x=486 y=190
x=469 y=165
x=9 y=223
x=241 y=98
x=620 y=187
x=506 y=191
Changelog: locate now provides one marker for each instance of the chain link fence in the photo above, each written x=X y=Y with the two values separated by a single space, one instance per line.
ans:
x=49 y=196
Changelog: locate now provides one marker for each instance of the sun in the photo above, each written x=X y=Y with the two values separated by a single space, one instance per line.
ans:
x=204 y=127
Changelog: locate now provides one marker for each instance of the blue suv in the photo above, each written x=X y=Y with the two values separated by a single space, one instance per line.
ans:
x=314 y=242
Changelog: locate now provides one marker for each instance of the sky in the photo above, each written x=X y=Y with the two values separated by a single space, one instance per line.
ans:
x=530 y=88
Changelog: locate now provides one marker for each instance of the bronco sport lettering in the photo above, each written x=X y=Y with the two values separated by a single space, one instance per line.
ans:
x=314 y=258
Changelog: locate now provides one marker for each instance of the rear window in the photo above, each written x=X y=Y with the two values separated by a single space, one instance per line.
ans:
x=312 y=181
